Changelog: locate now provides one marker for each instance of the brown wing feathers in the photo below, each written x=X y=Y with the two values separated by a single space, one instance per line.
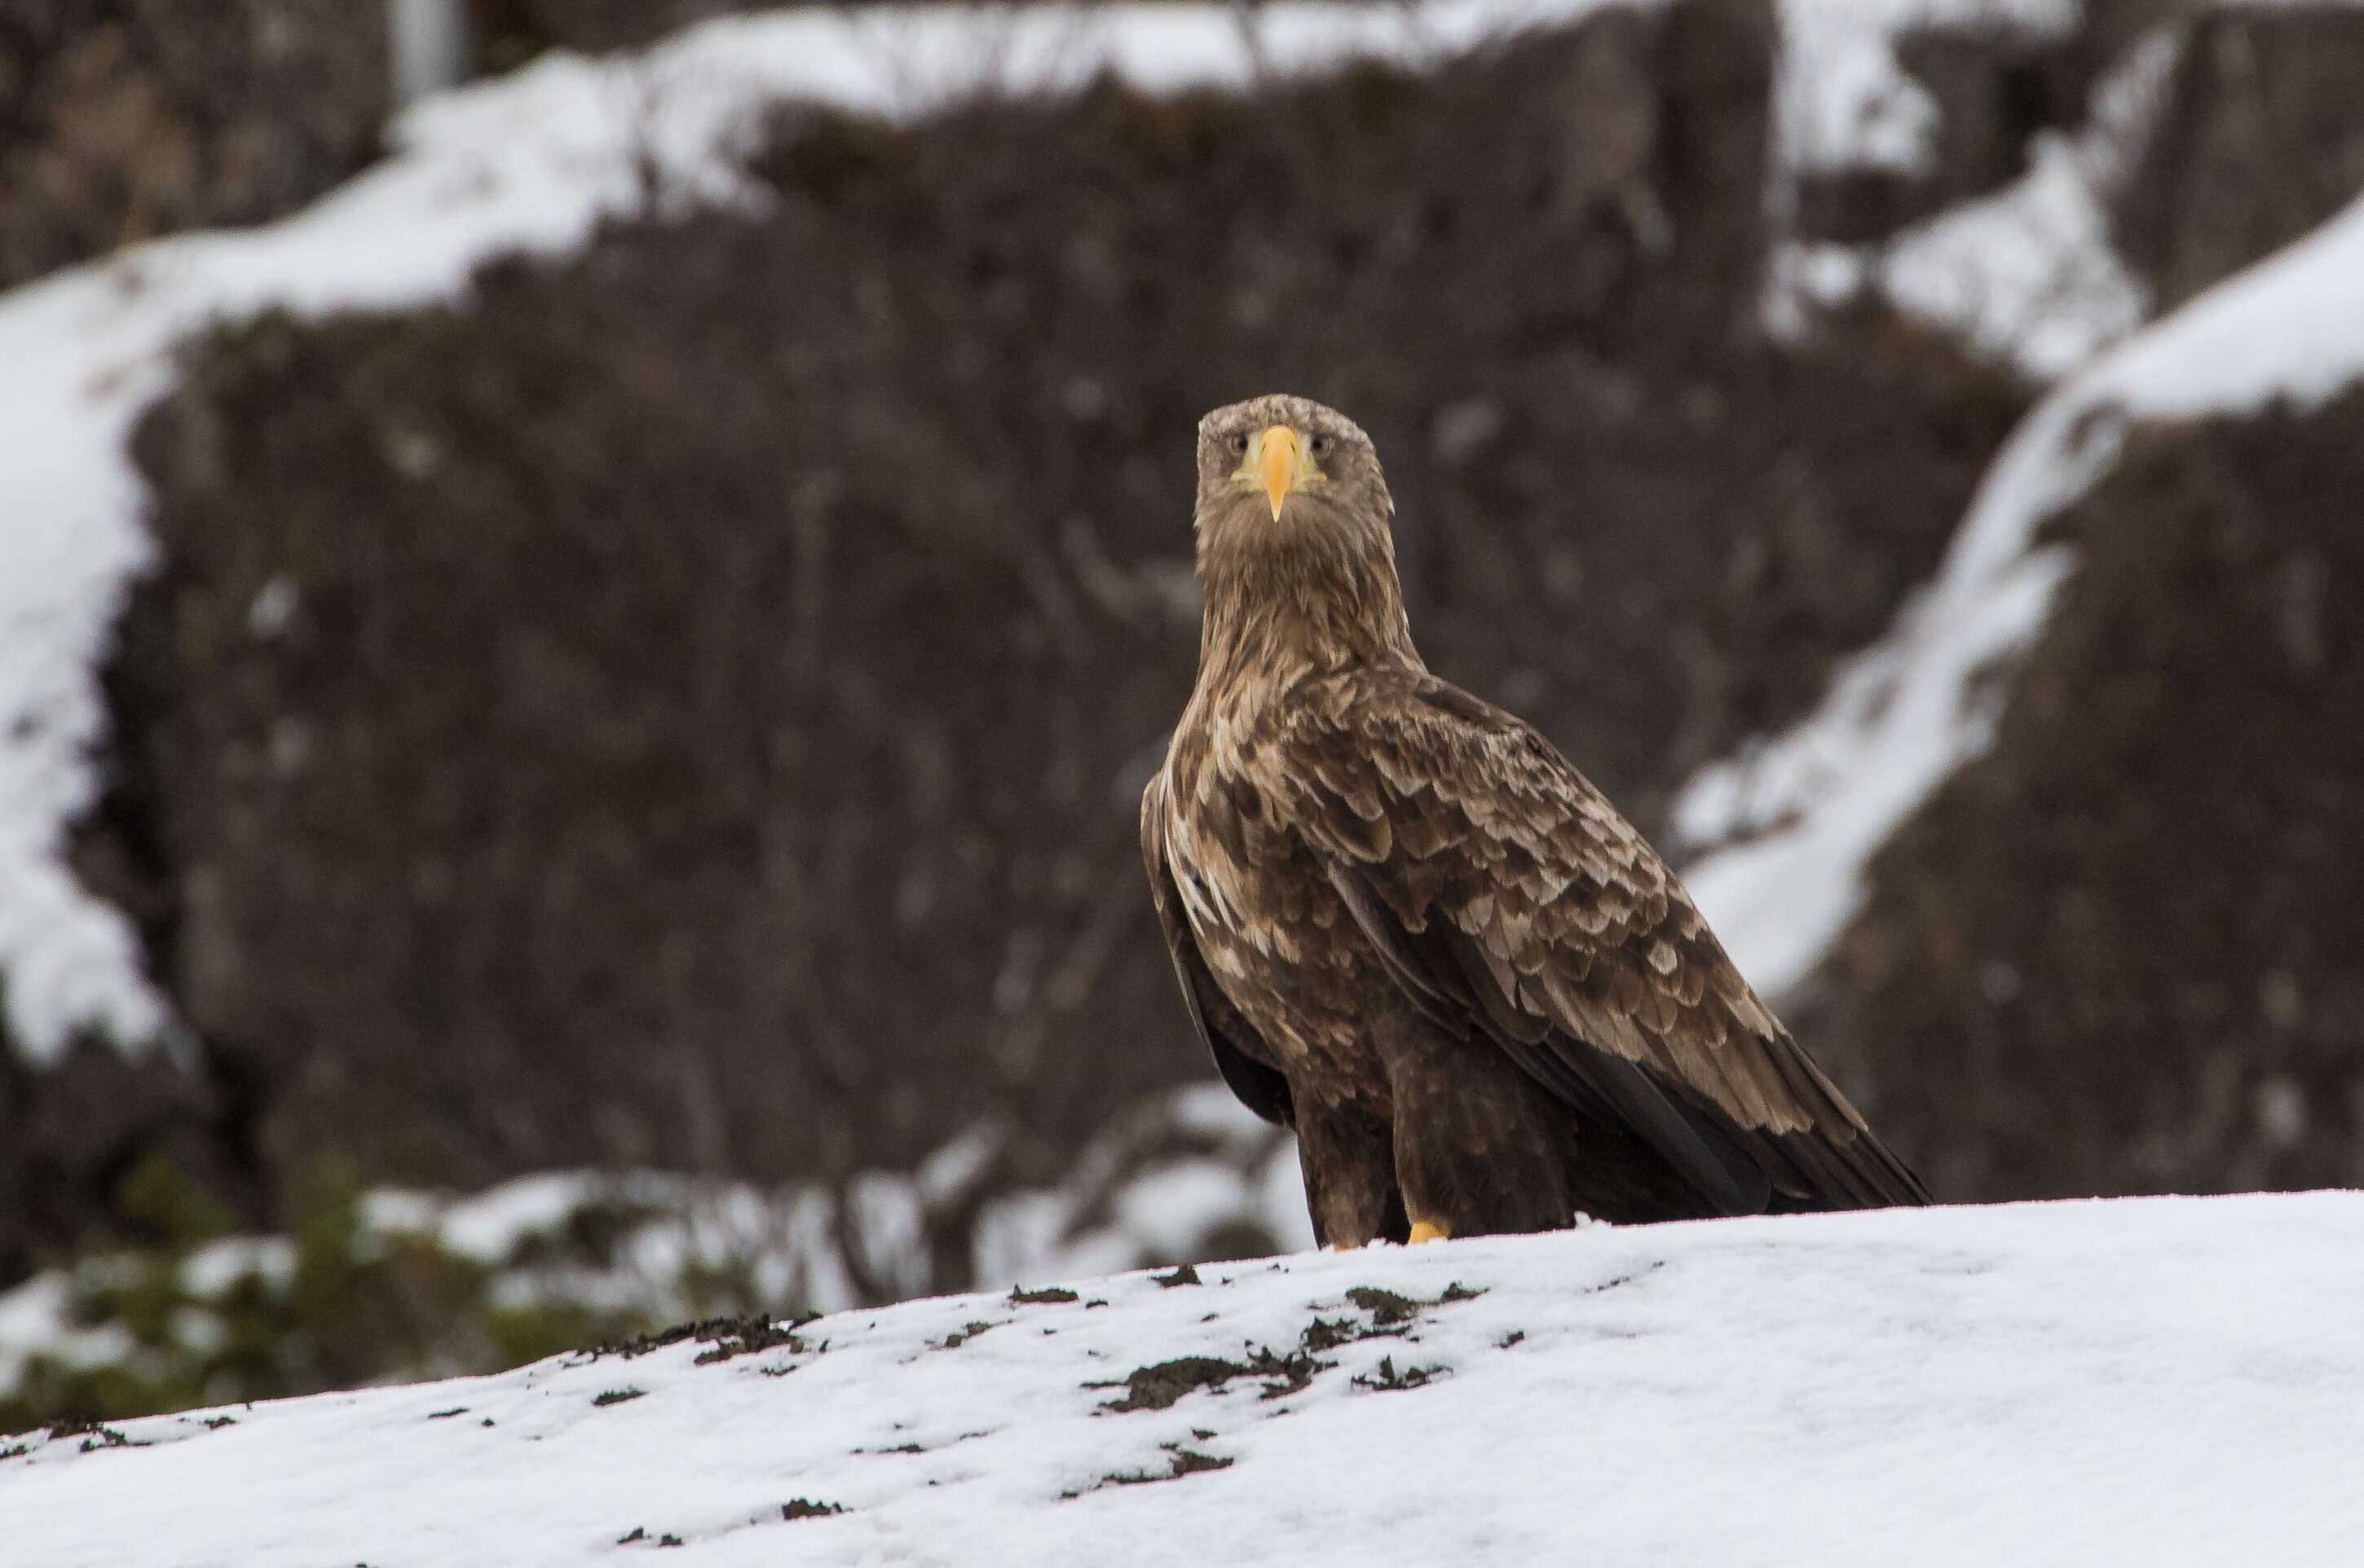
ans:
x=1507 y=899
x=1437 y=970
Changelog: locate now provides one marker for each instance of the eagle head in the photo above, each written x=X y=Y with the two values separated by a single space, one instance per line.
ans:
x=1284 y=461
x=1295 y=555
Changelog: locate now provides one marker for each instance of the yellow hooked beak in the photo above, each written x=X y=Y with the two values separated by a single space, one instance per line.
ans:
x=1277 y=463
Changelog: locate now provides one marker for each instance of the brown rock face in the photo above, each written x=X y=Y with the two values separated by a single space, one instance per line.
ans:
x=123 y=119
x=2124 y=951
x=2263 y=139
x=511 y=31
x=689 y=706
x=1994 y=87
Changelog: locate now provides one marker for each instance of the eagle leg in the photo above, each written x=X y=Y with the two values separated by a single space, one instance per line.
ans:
x=1346 y=1152
x=1480 y=1148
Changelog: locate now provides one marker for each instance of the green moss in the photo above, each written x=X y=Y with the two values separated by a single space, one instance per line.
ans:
x=160 y=1196
x=357 y=1307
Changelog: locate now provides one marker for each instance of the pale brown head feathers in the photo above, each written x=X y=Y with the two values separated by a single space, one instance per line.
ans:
x=1294 y=550
x=1288 y=459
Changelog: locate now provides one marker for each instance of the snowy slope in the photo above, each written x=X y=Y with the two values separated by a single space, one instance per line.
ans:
x=2159 y=1381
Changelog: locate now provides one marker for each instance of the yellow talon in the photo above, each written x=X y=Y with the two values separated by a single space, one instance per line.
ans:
x=1422 y=1231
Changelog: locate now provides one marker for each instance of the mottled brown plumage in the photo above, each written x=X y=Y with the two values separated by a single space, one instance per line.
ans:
x=1407 y=928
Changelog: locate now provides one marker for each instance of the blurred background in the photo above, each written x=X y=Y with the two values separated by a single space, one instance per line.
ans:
x=587 y=589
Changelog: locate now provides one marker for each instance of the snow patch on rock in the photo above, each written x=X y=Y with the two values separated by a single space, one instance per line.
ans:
x=1846 y=101
x=2027 y=276
x=1784 y=830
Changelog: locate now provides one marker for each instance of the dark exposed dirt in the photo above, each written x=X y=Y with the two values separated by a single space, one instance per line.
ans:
x=694 y=699
x=1158 y=1387
x=1328 y=1333
x=1387 y=1379
x=729 y=1336
x=2124 y=952
x=804 y=1508
x=1385 y=1307
x=745 y=1335
x=1049 y=1296
x=1181 y=1461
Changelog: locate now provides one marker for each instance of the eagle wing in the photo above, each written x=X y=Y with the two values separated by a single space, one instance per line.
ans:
x=1220 y=1025
x=1511 y=903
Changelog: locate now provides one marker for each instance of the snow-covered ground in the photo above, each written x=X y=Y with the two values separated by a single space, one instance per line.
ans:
x=2157 y=1382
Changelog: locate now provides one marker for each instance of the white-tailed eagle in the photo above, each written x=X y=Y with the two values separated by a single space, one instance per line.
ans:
x=1409 y=929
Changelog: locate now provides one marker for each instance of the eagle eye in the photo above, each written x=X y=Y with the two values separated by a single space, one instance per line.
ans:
x=1321 y=445
x=1239 y=444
